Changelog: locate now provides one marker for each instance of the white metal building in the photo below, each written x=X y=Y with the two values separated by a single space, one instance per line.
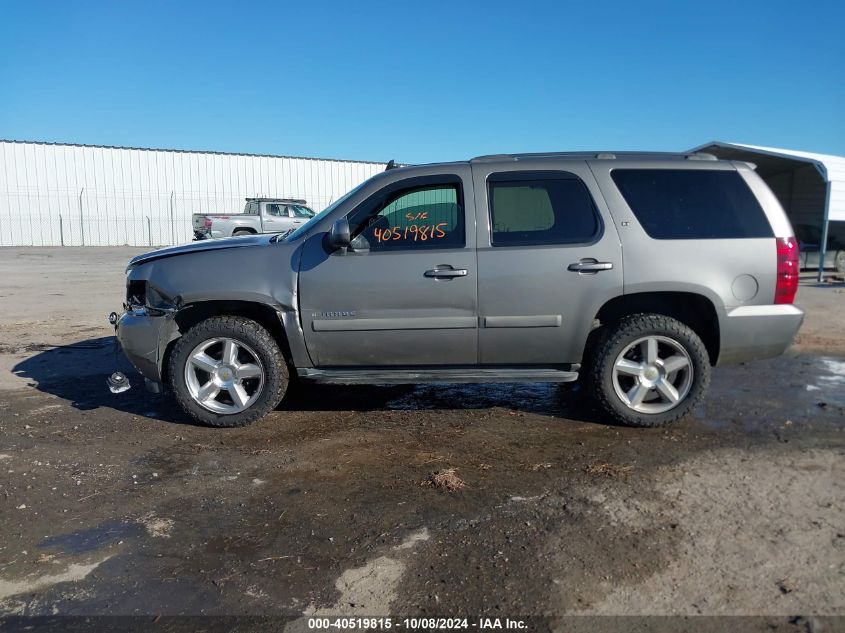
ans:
x=56 y=194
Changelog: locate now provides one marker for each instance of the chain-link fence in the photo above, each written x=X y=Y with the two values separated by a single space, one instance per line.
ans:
x=97 y=218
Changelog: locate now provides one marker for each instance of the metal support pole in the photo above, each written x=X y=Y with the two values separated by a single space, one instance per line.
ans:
x=61 y=230
x=823 y=245
x=149 y=231
x=81 y=221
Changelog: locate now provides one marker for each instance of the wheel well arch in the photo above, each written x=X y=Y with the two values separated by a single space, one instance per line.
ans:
x=244 y=229
x=263 y=314
x=694 y=310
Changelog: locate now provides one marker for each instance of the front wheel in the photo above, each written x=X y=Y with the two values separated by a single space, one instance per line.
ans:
x=650 y=370
x=227 y=371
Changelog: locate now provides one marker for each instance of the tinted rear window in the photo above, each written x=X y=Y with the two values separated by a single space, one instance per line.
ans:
x=687 y=204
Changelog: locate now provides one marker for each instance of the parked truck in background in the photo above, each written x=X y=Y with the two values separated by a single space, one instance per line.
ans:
x=810 y=237
x=260 y=215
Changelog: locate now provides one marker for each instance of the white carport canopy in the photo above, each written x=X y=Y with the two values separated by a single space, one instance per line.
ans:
x=811 y=187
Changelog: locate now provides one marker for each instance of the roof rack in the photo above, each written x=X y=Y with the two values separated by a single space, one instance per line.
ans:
x=287 y=200
x=495 y=158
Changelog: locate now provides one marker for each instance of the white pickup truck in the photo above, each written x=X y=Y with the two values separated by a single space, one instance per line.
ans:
x=260 y=215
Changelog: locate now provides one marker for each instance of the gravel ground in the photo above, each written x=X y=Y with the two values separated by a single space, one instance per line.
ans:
x=114 y=504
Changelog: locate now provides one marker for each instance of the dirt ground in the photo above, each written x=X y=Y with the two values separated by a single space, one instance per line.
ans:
x=115 y=504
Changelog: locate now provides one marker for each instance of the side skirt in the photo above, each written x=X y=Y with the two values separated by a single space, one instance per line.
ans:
x=434 y=375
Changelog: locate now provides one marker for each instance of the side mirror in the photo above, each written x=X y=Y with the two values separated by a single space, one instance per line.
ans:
x=340 y=236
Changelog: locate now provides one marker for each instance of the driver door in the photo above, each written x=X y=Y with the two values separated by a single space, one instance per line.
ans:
x=299 y=215
x=275 y=218
x=405 y=292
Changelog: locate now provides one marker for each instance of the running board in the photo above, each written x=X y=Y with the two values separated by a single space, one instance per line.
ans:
x=435 y=375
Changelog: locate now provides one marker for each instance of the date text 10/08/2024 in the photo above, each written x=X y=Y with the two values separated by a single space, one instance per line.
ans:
x=385 y=623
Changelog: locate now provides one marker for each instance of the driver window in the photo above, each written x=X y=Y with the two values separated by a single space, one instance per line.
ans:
x=424 y=217
x=301 y=212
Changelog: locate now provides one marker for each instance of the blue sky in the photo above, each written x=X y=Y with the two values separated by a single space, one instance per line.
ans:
x=423 y=81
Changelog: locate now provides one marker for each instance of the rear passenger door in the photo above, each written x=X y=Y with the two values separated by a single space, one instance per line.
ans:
x=548 y=258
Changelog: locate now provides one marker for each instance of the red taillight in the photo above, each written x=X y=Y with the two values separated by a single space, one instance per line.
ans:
x=207 y=222
x=787 y=277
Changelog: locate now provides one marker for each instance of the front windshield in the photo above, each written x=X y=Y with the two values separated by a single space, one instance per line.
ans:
x=302 y=230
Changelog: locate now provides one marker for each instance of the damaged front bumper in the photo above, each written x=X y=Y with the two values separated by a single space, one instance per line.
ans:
x=143 y=336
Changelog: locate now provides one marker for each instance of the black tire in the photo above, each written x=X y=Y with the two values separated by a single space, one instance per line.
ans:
x=241 y=232
x=258 y=340
x=623 y=334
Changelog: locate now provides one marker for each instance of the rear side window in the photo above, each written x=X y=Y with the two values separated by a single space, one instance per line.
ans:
x=687 y=204
x=537 y=208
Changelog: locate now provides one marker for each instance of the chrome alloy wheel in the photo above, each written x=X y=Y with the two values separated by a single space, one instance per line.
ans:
x=653 y=374
x=224 y=375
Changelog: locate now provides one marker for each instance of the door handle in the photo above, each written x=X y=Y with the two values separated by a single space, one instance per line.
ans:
x=445 y=272
x=589 y=266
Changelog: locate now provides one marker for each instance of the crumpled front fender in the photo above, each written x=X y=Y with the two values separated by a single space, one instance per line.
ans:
x=144 y=339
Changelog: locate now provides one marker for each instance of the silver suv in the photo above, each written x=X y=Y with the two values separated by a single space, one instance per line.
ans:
x=635 y=272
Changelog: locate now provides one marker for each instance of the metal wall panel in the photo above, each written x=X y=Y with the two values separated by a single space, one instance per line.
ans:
x=74 y=195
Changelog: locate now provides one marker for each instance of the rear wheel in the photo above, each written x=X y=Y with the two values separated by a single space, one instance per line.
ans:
x=650 y=370
x=839 y=263
x=241 y=232
x=227 y=371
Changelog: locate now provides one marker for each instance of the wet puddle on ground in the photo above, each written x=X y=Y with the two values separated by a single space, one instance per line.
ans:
x=831 y=382
x=533 y=397
x=791 y=390
x=816 y=383
x=92 y=539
